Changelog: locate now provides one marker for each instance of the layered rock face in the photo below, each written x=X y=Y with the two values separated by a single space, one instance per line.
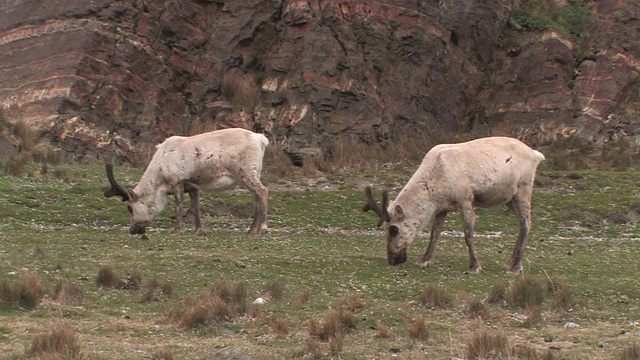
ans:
x=112 y=78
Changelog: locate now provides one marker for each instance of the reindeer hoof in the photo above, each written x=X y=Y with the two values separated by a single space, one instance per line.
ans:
x=201 y=232
x=144 y=237
x=473 y=270
x=514 y=270
x=424 y=264
x=177 y=232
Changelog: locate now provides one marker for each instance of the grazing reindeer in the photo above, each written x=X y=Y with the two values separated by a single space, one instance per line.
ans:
x=484 y=172
x=209 y=161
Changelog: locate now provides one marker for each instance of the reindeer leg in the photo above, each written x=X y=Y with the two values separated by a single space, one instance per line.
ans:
x=194 y=195
x=178 y=192
x=468 y=220
x=261 y=195
x=522 y=209
x=438 y=224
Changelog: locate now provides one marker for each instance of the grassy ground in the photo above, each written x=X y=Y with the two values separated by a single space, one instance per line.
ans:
x=327 y=255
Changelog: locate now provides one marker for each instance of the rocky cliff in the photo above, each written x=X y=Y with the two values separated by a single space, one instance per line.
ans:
x=101 y=78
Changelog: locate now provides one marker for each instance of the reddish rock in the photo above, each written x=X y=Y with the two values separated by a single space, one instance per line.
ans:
x=110 y=79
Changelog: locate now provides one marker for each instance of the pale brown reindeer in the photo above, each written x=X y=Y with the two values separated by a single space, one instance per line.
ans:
x=456 y=177
x=210 y=161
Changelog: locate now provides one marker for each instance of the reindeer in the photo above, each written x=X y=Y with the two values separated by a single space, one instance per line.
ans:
x=484 y=173
x=210 y=161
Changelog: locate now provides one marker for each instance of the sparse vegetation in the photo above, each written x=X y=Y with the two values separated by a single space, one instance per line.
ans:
x=59 y=342
x=526 y=292
x=108 y=279
x=223 y=302
x=436 y=296
x=570 y=19
x=418 y=329
x=68 y=292
x=486 y=344
x=341 y=299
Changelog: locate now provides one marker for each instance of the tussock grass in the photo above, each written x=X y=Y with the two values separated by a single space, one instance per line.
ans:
x=436 y=296
x=275 y=290
x=563 y=297
x=525 y=292
x=281 y=326
x=382 y=331
x=476 y=309
x=631 y=352
x=162 y=354
x=16 y=166
x=332 y=260
x=6 y=294
x=241 y=89
x=223 y=302
x=418 y=329
x=302 y=297
x=28 y=291
x=25 y=135
x=153 y=289
x=488 y=345
x=59 y=342
x=108 y=279
x=68 y=292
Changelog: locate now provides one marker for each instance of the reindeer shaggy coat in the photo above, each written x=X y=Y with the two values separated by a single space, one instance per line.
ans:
x=484 y=172
x=210 y=161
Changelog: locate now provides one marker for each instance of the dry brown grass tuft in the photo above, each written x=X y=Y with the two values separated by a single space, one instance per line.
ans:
x=162 y=354
x=525 y=292
x=59 y=342
x=383 y=331
x=533 y=315
x=302 y=297
x=67 y=292
x=25 y=135
x=153 y=288
x=336 y=320
x=488 y=345
x=275 y=290
x=108 y=279
x=277 y=162
x=15 y=166
x=528 y=352
x=241 y=90
x=476 y=309
x=6 y=295
x=631 y=352
x=281 y=326
x=435 y=296
x=336 y=344
x=313 y=348
x=497 y=293
x=222 y=302
x=418 y=329
x=563 y=298
x=352 y=303
x=38 y=253
x=28 y=291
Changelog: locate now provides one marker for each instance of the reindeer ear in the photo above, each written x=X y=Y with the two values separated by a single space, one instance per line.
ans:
x=399 y=212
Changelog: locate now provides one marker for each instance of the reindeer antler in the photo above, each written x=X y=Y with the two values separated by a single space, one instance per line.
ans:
x=116 y=190
x=371 y=204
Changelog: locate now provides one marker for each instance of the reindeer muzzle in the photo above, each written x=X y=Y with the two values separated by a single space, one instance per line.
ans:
x=137 y=229
x=397 y=258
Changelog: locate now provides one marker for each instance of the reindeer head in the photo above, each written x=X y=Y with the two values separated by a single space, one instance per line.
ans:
x=398 y=232
x=143 y=208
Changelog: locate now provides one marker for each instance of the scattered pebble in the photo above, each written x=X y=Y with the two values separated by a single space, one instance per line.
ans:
x=571 y=325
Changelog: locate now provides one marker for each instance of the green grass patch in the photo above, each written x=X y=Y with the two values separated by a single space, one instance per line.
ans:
x=323 y=256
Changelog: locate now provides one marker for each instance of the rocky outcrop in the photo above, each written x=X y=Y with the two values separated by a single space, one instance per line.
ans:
x=111 y=78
